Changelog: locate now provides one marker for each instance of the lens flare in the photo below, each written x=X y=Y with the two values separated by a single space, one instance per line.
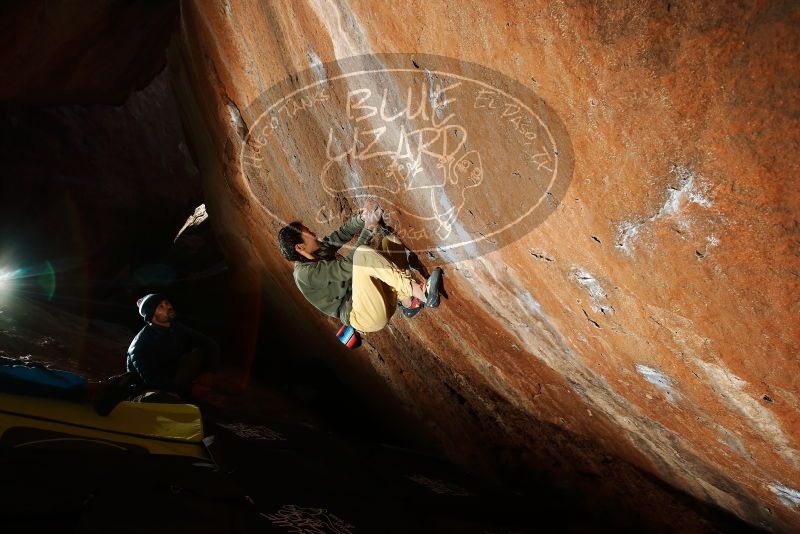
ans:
x=6 y=277
x=38 y=280
x=46 y=280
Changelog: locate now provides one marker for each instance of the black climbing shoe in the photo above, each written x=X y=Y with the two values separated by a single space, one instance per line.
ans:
x=432 y=287
x=415 y=308
x=415 y=263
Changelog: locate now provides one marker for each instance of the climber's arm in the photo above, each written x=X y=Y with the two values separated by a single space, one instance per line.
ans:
x=335 y=240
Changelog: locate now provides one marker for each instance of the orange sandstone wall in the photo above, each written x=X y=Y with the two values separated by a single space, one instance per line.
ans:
x=621 y=250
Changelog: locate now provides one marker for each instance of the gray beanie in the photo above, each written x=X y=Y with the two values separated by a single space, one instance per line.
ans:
x=148 y=304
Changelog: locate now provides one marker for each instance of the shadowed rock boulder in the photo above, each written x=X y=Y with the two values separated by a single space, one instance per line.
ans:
x=91 y=52
x=647 y=315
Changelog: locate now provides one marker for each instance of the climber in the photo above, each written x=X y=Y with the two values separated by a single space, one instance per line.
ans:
x=361 y=288
x=167 y=355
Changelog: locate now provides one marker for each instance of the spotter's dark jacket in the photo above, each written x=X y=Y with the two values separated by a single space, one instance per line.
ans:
x=156 y=351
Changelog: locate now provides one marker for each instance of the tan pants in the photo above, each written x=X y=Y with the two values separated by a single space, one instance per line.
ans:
x=378 y=283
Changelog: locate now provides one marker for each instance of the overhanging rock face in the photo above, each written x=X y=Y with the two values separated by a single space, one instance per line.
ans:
x=612 y=192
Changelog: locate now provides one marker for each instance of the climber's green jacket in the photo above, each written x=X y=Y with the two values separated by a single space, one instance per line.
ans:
x=327 y=282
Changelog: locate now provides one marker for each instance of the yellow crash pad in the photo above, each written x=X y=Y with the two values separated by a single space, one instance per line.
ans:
x=158 y=428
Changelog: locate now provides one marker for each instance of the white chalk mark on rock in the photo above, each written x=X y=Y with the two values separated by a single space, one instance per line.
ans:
x=596 y=292
x=437 y=95
x=688 y=191
x=659 y=380
x=731 y=389
x=317 y=67
x=627 y=231
x=235 y=117
x=788 y=496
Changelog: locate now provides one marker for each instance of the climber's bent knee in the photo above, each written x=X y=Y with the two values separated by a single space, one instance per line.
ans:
x=368 y=324
x=363 y=253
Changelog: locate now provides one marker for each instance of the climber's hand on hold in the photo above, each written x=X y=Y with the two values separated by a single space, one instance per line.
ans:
x=370 y=205
x=372 y=218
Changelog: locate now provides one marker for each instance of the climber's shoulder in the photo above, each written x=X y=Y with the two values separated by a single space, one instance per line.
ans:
x=303 y=270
